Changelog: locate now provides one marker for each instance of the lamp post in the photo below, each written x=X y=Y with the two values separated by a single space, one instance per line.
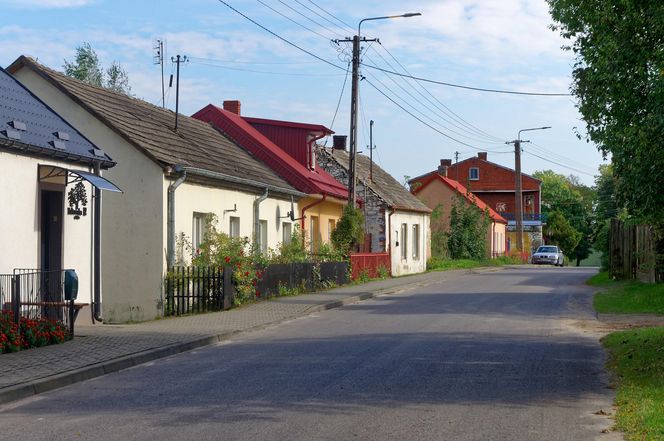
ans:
x=352 y=178
x=518 y=197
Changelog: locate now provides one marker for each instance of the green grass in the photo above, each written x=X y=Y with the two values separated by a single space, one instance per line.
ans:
x=627 y=296
x=594 y=259
x=435 y=264
x=636 y=358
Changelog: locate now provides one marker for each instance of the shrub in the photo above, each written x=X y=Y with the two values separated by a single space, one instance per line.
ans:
x=349 y=232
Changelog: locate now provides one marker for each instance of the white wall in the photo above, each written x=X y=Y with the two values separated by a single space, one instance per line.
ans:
x=410 y=265
x=133 y=223
x=193 y=198
x=20 y=221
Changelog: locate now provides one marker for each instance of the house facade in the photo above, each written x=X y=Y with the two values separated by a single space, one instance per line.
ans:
x=172 y=178
x=396 y=222
x=288 y=148
x=495 y=185
x=440 y=192
x=50 y=180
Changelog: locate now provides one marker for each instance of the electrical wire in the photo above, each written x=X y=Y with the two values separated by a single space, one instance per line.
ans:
x=559 y=164
x=309 y=18
x=217 y=60
x=280 y=37
x=341 y=95
x=332 y=15
x=240 y=69
x=479 y=89
x=290 y=19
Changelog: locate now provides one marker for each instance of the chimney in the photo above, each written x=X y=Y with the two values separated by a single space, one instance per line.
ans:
x=444 y=165
x=232 y=106
x=339 y=142
x=482 y=156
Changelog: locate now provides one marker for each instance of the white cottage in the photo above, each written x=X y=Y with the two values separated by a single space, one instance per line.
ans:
x=51 y=183
x=396 y=221
x=171 y=178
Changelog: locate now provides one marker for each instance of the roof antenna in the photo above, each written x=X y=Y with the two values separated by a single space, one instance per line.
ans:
x=158 y=58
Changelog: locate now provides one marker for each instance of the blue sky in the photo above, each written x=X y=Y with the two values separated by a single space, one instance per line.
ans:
x=503 y=44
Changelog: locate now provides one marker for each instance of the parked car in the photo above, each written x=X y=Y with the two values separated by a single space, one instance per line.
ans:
x=548 y=254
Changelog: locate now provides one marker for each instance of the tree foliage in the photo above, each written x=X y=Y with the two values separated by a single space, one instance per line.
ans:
x=561 y=232
x=619 y=83
x=568 y=197
x=468 y=230
x=349 y=231
x=87 y=67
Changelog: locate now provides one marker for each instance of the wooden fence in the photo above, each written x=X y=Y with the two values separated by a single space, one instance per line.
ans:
x=633 y=254
x=369 y=263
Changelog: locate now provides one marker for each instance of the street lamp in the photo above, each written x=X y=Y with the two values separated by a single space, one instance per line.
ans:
x=352 y=178
x=518 y=197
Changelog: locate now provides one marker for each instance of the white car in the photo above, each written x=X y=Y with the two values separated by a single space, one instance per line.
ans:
x=548 y=254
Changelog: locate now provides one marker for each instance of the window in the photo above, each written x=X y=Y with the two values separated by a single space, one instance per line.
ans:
x=416 y=242
x=404 y=241
x=331 y=224
x=474 y=173
x=199 y=227
x=234 y=227
x=262 y=236
x=287 y=232
x=314 y=234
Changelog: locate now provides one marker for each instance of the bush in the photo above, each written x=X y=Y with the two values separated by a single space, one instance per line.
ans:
x=349 y=232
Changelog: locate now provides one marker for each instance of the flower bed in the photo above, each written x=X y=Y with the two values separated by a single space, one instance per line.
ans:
x=29 y=333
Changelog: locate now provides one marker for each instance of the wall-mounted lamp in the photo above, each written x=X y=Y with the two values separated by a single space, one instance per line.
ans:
x=234 y=209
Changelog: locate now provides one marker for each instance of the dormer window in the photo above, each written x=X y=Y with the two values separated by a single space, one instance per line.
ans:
x=474 y=174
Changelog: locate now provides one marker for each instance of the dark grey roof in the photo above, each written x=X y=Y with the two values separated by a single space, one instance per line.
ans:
x=151 y=129
x=29 y=125
x=383 y=184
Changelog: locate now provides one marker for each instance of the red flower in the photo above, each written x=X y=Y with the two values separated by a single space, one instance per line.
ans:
x=258 y=294
x=227 y=259
x=246 y=273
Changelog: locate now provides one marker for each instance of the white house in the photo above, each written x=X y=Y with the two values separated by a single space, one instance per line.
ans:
x=50 y=181
x=396 y=221
x=171 y=178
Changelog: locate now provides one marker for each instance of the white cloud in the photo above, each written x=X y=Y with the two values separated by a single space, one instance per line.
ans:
x=49 y=4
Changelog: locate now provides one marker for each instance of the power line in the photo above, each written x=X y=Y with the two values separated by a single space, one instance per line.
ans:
x=290 y=19
x=343 y=88
x=280 y=37
x=217 y=60
x=480 y=89
x=309 y=18
x=240 y=69
x=558 y=163
x=332 y=15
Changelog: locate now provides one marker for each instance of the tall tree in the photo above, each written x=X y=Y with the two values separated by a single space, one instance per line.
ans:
x=619 y=83
x=87 y=67
x=565 y=196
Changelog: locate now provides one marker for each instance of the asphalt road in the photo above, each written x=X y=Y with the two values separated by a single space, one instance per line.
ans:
x=486 y=356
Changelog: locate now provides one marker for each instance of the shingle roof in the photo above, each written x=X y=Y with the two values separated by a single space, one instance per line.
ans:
x=151 y=129
x=302 y=178
x=383 y=184
x=459 y=188
x=26 y=120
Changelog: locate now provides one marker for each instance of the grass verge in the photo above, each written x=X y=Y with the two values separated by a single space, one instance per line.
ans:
x=435 y=264
x=627 y=296
x=636 y=358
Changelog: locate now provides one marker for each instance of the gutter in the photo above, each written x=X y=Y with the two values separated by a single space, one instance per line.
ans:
x=257 y=220
x=310 y=150
x=96 y=256
x=50 y=153
x=224 y=177
x=389 y=229
x=170 y=222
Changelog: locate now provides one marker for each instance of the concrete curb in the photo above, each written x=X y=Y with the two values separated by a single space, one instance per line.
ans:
x=25 y=390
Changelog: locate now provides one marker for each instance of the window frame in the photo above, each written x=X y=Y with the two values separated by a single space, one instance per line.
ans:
x=477 y=174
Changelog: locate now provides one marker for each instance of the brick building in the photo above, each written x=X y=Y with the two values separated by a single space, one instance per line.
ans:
x=495 y=185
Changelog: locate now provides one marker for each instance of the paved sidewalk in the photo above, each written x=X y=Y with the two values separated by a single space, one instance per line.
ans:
x=100 y=349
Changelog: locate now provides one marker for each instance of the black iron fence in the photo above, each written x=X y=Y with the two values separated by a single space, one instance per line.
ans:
x=194 y=290
x=191 y=290
x=34 y=294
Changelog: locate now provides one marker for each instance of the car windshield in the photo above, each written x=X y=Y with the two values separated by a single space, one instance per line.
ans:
x=547 y=250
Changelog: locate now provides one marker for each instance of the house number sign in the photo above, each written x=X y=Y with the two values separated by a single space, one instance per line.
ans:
x=78 y=200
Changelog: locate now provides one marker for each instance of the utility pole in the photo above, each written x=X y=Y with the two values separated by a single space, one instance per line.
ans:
x=456 y=161
x=355 y=87
x=158 y=58
x=178 y=60
x=518 y=192
x=371 y=149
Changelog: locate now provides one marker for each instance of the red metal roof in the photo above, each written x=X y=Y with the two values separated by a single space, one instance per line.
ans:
x=292 y=124
x=459 y=188
x=244 y=134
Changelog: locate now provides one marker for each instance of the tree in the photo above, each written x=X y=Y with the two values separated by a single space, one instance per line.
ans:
x=349 y=232
x=574 y=201
x=618 y=79
x=468 y=230
x=561 y=232
x=87 y=67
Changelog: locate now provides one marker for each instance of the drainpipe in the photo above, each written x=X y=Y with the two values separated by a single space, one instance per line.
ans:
x=310 y=150
x=170 y=222
x=302 y=217
x=389 y=229
x=96 y=257
x=257 y=219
